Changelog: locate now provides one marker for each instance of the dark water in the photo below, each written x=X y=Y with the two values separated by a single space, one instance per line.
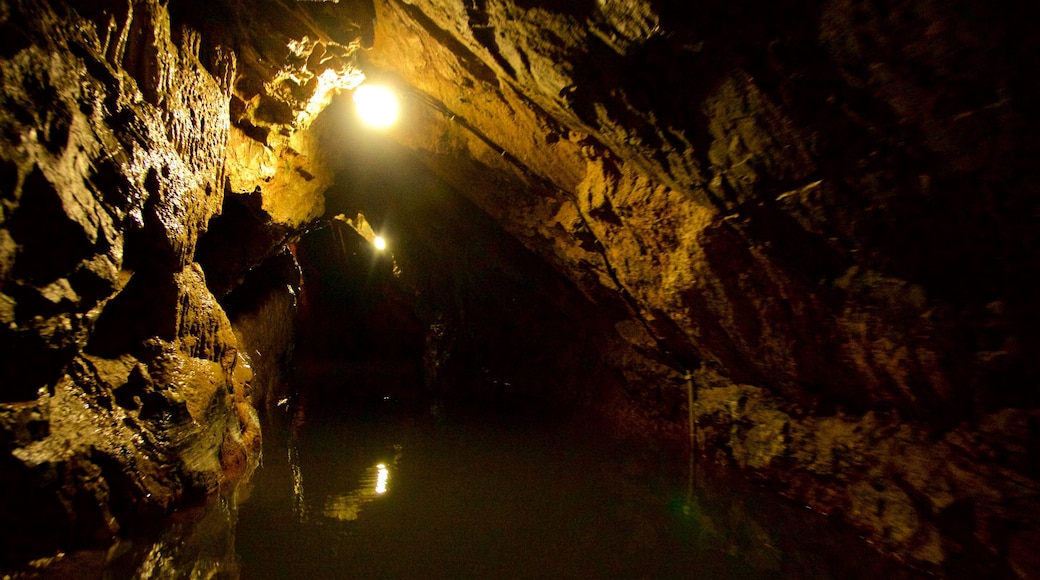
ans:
x=403 y=496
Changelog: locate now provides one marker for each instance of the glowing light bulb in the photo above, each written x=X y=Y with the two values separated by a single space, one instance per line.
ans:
x=379 y=243
x=377 y=105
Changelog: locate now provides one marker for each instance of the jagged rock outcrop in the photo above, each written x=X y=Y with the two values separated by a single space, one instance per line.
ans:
x=292 y=59
x=123 y=393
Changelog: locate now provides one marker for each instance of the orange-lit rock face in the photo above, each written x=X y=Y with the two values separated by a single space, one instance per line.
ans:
x=730 y=213
x=116 y=391
x=121 y=392
x=824 y=204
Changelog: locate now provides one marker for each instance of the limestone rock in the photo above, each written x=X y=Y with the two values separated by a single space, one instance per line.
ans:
x=116 y=395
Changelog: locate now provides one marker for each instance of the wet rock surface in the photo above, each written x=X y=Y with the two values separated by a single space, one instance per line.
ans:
x=125 y=390
x=118 y=397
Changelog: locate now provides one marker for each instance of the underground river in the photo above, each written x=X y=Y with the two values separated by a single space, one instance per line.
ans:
x=380 y=491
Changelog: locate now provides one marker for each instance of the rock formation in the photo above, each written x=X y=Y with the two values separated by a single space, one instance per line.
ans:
x=824 y=214
x=124 y=391
x=823 y=210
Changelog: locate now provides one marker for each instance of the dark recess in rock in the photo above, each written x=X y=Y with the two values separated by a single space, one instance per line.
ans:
x=237 y=240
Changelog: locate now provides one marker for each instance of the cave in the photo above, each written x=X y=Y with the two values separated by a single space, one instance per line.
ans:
x=625 y=288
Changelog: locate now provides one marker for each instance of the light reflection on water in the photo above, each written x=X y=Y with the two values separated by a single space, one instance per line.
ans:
x=343 y=505
x=382 y=477
x=347 y=506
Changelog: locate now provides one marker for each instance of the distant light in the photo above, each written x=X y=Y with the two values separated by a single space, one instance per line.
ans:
x=381 y=478
x=379 y=243
x=377 y=105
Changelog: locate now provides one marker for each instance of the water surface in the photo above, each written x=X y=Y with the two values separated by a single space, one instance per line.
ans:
x=398 y=496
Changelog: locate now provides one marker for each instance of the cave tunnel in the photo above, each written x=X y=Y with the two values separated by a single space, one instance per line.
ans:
x=626 y=288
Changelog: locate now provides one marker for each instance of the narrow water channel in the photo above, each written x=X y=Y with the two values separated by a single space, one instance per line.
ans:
x=400 y=495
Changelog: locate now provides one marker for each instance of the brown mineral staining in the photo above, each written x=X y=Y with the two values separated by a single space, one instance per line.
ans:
x=233 y=459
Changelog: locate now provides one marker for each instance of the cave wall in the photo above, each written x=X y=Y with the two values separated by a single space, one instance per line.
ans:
x=263 y=311
x=125 y=390
x=825 y=210
x=828 y=240
x=118 y=399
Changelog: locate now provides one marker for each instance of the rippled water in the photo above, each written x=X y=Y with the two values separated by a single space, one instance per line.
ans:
x=403 y=496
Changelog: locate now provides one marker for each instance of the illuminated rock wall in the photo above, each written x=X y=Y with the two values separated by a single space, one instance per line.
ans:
x=123 y=389
x=826 y=211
